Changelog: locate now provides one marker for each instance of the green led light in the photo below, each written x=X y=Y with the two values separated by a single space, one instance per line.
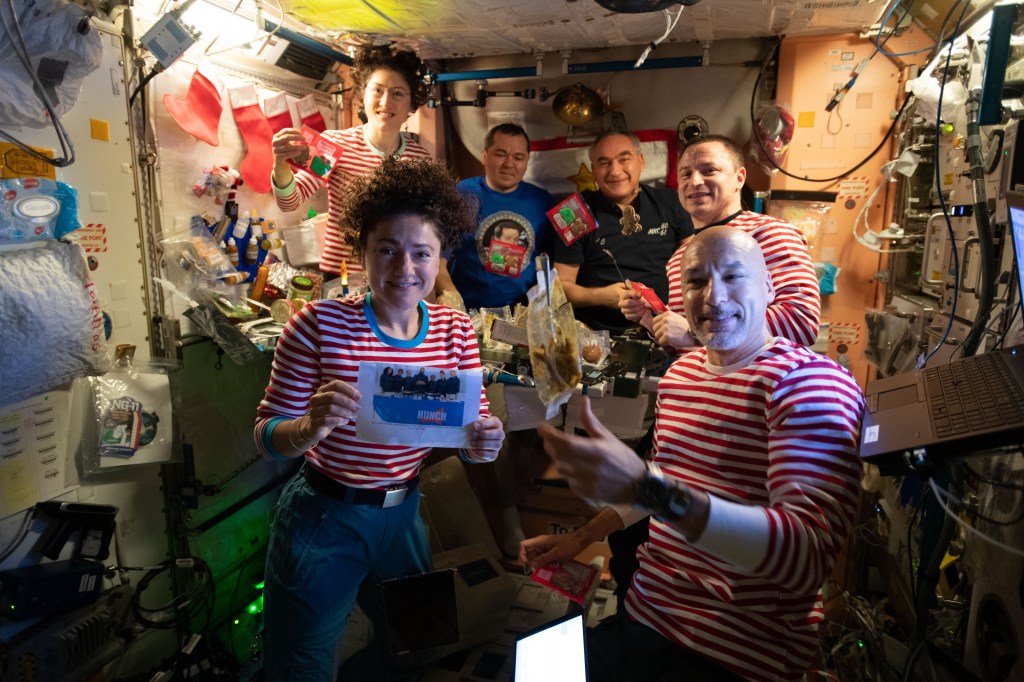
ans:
x=259 y=585
x=237 y=621
x=256 y=606
x=947 y=128
x=860 y=643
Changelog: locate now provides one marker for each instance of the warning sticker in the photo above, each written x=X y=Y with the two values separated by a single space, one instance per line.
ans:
x=92 y=237
x=844 y=332
x=853 y=187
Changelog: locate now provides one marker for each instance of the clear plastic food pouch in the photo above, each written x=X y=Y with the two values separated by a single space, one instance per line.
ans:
x=554 y=346
x=134 y=414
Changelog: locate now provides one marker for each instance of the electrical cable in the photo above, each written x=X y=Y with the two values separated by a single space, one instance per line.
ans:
x=986 y=236
x=999 y=484
x=910 y=542
x=760 y=143
x=184 y=607
x=928 y=578
x=990 y=329
x=991 y=481
x=21 y=49
x=966 y=526
x=841 y=92
x=879 y=46
x=19 y=538
x=994 y=163
x=942 y=201
x=861 y=219
x=157 y=69
x=670 y=23
x=828 y=123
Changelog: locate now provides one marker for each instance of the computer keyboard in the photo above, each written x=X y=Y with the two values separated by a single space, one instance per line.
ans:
x=975 y=394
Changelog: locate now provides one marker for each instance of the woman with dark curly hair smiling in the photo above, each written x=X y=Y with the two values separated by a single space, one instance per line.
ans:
x=350 y=517
x=389 y=85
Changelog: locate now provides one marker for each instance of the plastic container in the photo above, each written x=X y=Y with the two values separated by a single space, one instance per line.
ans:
x=301 y=287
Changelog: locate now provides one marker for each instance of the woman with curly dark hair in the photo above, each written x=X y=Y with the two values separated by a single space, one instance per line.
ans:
x=390 y=87
x=350 y=517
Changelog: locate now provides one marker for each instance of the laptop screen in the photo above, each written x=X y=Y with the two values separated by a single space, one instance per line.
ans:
x=554 y=652
x=1015 y=209
x=421 y=611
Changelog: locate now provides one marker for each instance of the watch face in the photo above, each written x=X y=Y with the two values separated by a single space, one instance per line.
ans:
x=652 y=493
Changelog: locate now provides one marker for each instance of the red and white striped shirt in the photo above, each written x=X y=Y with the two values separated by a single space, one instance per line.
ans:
x=357 y=157
x=779 y=434
x=326 y=340
x=796 y=311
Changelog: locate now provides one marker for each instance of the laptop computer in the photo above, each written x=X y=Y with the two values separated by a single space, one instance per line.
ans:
x=421 y=611
x=969 y=405
x=553 y=652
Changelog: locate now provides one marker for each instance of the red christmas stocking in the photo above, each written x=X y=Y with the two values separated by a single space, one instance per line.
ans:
x=310 y=114
x=198 y=113
x=258 y=163
x=278 y=115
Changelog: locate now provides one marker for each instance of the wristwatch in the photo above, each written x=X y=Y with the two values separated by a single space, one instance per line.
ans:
x=666 y=500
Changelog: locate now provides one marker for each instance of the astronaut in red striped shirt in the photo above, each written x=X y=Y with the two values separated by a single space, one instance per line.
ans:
x=349 y=519
x=389 y=85
x=711 y=175
x=752 y=490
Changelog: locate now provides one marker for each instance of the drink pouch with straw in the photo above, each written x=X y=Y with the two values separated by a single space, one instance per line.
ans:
x=554 y=345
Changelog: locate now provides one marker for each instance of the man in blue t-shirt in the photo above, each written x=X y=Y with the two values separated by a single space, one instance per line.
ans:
x=495 y=266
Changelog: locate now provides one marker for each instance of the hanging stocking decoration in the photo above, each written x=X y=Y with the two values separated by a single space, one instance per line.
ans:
x=310 y=114
x=252 y=123
x=198 y=113
x=278 y=114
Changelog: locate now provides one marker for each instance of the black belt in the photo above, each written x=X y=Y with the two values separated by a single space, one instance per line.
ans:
x=374 y=497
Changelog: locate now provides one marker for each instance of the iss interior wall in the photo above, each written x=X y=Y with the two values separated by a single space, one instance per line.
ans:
x=826 y=145
x=104 y=176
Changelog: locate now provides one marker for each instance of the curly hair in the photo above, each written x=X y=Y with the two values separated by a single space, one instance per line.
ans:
x=403 y=62
x=398 y=186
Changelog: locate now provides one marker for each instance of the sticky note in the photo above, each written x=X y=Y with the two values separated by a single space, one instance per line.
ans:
x=99 y=130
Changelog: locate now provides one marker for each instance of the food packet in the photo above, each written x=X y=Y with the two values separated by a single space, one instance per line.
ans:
x=595 y=346
x=572 y=218
x=192 y=259
x=132 y=414
x=571 y=578
x=452 y=299
x=488 y=316
x=554 y=346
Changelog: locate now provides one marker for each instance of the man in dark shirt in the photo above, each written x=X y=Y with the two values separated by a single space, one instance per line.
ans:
x=639 y=228
x=419 y=383
x=452 y=386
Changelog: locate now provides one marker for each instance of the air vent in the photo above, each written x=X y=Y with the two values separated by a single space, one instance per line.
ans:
x=304 y=62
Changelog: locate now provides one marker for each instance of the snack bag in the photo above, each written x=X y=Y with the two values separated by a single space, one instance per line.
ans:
x=572 y=218
x=650 y=297
x=323 y=154
x=554 y=345
x=505 y=259
x=129 y=401
x=571 y=578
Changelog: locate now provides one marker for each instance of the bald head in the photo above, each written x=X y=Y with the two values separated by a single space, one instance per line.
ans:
x=726 y=291
x=724 y=238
